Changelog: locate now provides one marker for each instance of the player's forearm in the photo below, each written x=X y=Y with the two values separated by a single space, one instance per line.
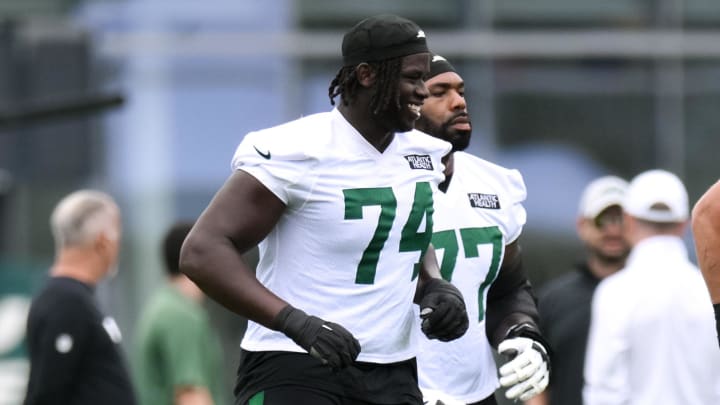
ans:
x=429 y=269
x=510 y=300
x=706 y=232
x=539 y=399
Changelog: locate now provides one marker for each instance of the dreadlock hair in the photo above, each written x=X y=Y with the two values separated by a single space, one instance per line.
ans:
x=345 y=84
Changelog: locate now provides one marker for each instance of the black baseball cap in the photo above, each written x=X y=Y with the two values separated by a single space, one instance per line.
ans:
x=439 y=65
x=381 y=37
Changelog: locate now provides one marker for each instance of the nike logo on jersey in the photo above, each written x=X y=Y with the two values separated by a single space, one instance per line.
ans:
x=423 y=162
x=480 y=200
x=266 y=155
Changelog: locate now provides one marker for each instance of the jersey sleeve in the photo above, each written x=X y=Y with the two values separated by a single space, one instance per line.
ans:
x=277 y=161
x=56 y=341
x=505 y=184
x=516 y=195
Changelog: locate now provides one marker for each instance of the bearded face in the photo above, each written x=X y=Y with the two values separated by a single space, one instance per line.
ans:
x=444 y=113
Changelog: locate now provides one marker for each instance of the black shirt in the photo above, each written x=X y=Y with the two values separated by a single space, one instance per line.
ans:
x=564 y=305
x=75 y=357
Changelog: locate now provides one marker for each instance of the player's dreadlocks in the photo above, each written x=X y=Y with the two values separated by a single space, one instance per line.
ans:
x=345 y=84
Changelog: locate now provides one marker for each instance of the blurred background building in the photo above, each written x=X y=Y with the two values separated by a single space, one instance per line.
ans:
x=148 y=100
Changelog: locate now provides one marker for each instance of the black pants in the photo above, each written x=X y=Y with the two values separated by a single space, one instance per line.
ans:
x=285 y=378
x=300 y=395
x=487 y=401
x=303 y=395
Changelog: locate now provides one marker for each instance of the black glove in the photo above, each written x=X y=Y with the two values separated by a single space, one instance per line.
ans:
x=326 y=341
x=442 y=310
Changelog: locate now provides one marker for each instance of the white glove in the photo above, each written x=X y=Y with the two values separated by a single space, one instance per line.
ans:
x=433 y=397
x=527 y=373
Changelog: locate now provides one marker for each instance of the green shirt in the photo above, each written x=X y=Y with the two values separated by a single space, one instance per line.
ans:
x=175 y=345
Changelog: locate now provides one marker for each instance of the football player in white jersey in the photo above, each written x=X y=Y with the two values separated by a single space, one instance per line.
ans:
x=478 y=219
x=341 y=206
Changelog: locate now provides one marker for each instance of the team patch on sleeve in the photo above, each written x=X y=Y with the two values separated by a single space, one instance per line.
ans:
x=423 y=162
x=480 y=200
x=63 y=343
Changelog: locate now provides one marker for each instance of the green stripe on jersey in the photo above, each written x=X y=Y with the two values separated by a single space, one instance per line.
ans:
x=257 y=399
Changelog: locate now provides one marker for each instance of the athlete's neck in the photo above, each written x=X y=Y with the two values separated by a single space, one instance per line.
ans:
x=449 y=162
x=364 y=122
x=80 y=264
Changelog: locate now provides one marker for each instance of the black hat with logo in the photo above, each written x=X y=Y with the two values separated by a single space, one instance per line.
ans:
x=382 y=37
x=439 y=65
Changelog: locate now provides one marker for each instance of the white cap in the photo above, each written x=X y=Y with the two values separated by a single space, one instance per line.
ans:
x=600 y=194
x=657 y=196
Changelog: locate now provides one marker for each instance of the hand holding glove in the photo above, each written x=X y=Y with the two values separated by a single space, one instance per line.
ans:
x=442 y=309
x=527 y=373
x=326 y=341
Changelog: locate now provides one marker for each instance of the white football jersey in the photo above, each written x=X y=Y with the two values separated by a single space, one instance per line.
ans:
x=479 y=215
x=356 y=222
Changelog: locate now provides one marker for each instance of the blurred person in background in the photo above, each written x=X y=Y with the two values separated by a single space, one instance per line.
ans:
x=341 y=204
x=652 y=336
x=706 y=232
x=75 y=353
x=177 y=355
x=564 y=303
x=478 y=220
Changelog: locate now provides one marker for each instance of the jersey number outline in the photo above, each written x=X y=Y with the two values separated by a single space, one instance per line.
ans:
x=411 y=238
x=471 y=238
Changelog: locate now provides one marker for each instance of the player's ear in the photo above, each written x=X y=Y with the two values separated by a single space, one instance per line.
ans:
x=580 y=225
x=101 y=242
x=365 y=74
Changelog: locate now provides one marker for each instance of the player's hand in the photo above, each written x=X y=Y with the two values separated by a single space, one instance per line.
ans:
x=527 y=373
x=328 y=342
x=442 y=309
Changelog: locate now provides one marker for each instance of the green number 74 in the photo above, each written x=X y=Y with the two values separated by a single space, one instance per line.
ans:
x=411 y=239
